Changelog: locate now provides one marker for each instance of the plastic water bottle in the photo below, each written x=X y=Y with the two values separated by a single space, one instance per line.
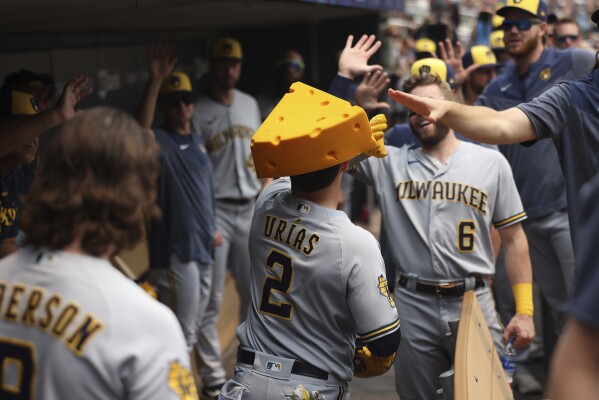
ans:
x=508 y=361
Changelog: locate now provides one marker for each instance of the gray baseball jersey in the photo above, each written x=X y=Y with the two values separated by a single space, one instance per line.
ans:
x=227 y=131
x=317 y=280
x=73 y=327
x=442 y=213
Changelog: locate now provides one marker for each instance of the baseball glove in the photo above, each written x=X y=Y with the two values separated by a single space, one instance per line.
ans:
x=378 y=124
x=367 y=365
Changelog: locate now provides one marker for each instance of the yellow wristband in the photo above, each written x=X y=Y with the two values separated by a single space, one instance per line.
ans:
x=523 y=297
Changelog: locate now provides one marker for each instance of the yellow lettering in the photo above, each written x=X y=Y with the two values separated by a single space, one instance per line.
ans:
x=299 y=239
x=83 y=333
x=280 y=229
x=64 y=319
x=11 y=310
x=314 y=238
x=35 y=298
x=53 y=302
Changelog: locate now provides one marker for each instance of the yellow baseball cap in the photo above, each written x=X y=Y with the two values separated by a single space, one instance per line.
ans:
x=496 y=40
x=177 y=82
x=425 y=45
x=481 y=56
x=434 y=66
x=497 y=21
x=225 y=48
x=307 y=131
x=23 y=103
x=536 y=8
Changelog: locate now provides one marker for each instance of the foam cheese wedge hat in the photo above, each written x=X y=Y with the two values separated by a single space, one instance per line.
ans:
x=307 y=131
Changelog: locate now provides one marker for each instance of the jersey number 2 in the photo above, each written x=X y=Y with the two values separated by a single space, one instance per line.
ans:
x=17 y=370
x=279 y=285
x=466 y=230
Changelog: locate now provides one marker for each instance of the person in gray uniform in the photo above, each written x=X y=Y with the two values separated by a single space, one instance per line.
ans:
x=318 y=281
x=181 y=244
x=73 y=327
x=226 y=119
x=439 y=203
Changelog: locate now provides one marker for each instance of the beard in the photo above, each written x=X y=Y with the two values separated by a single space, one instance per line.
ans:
x=440 y=132
x=527 y=47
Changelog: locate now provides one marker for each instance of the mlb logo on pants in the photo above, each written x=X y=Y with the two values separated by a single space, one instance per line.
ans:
x=273 y=366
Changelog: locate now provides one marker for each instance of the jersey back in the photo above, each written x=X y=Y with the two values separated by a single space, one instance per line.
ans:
x=317 y=281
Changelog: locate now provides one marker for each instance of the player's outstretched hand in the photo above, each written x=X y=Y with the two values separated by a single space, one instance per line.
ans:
x=522 y=328
x=162 y=61
x=353 y=61
x=74 y=91
x=370 y=89
x=431 y=109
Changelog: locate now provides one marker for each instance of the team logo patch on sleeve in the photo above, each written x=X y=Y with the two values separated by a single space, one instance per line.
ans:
x=384 y=290
x=180 y=380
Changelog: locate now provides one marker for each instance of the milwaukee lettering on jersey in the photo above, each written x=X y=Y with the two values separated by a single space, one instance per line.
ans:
x=290 y=234
x=64 y=321
x=227 y=135
x=443 y=191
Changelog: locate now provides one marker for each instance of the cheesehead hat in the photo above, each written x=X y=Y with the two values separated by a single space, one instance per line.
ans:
x=23 y=103
x=307 y=131
x=536 y=8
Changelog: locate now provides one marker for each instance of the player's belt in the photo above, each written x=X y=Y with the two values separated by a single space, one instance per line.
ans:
x=299 y=367
x=443 y=289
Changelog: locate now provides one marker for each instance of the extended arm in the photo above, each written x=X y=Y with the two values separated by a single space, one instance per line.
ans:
x=481 y=124
x=519 y=273
x=162 y=62
x=15 y=132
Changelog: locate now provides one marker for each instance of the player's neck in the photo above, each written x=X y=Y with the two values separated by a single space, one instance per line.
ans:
x=442 y=150
x=326 y=197
x=181 y=128
x=222 y=95
x=524 y=62
x=75 y=248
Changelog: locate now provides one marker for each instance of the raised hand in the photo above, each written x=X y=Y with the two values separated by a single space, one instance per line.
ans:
x=431 y=109
x=453 y=57
x=162 y=61
x=353 y=61
x=74 y=91
x=370 y=89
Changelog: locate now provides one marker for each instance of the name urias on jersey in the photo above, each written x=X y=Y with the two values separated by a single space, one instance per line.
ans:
x=290 y=234
x=444 y=191
x=34 y=307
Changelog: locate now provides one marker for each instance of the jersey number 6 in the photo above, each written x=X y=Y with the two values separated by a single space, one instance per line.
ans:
x=17 y=370
x=466 y=230
x=280 y=284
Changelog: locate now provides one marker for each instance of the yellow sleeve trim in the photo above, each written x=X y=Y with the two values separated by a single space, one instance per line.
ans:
x=510 y=220
x=370 y=335
x=523 y=297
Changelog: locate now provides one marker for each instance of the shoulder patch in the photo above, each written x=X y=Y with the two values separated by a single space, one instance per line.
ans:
x=181 y=381
x=384 y=290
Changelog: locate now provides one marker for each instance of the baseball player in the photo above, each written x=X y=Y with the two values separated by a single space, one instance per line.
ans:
x=182 y=242
x=72 y=326
x=226 y=118
x=438 y=204
x=316 y=278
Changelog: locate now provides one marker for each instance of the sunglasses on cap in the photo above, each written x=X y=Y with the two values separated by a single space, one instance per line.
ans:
x=173 y=101
x=562 y=39
x=523 y=25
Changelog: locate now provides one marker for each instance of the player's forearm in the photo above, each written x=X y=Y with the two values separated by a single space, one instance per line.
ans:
x=147 y=105
x=486 y=125
x=575 y=364
x=517 y=260
x=15 y=132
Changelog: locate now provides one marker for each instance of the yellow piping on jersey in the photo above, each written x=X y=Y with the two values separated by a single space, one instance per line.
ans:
x=390 y=327
x=510 y=219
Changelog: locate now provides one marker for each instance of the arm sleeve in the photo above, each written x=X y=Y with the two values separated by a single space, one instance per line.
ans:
x=368 y=289
x=549 y=112
x=342 y=87
x=508 y=208
x=582 y=61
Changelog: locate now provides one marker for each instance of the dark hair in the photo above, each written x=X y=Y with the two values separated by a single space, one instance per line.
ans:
x=313 y=181
x=96 y=184
x=426 y=80
x=567 y=20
